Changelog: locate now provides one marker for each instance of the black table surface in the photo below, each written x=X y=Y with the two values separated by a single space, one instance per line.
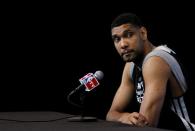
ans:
x=57 y=121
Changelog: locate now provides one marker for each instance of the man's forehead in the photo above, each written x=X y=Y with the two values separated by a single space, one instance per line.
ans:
x=120 y=29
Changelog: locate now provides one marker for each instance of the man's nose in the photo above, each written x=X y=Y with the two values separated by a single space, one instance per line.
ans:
x=123 y=43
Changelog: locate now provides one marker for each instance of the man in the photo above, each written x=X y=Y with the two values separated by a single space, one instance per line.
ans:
x=152 y=75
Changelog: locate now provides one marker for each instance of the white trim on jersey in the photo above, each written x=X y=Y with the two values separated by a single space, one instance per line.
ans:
x=181 y=110
x=183 y=107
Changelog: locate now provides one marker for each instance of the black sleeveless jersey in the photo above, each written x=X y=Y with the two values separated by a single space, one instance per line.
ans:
x=174 y=113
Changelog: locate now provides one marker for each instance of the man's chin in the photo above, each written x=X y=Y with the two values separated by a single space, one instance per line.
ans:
x=127 y=59
x=131 y=58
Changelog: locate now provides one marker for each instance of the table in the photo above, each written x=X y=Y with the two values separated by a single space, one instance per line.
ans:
x=58 y=121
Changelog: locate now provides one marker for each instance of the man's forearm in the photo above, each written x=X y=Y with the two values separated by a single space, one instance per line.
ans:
x=117 y=116
x=113 y=116
x=128 y=118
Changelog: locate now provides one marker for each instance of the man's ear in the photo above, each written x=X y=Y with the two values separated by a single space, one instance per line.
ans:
x=143 y=33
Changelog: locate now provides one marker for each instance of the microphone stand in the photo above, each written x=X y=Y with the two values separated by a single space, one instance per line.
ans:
x=82 y=117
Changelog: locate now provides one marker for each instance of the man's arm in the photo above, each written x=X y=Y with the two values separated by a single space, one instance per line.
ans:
x=122 y=98
x=156 y=73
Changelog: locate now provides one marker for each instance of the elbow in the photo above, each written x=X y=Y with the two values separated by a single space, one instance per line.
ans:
x=152 y=122
x=112 y=115
x=151 y=118
x=108 y=116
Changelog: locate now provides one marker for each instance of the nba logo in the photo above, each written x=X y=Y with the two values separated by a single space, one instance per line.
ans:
x=83 y=80
x=92 y=82
x=89 y=81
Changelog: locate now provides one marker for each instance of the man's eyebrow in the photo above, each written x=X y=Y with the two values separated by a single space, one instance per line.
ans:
x=124 y=32
x=114 y=36
x=127 y=30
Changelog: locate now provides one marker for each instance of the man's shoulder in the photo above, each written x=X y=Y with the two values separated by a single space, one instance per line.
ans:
x=163 y=53
x=156 y=63
x=164 y=48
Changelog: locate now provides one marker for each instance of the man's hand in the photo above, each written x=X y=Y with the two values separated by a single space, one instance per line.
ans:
x=134 y=118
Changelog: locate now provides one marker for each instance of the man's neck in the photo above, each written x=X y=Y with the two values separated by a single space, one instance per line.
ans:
x=148 y=47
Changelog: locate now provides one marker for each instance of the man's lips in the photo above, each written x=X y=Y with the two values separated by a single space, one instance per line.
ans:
x=127 y=52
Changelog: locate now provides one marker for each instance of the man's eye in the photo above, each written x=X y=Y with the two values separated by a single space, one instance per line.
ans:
x=128 y=34
x=116 y=39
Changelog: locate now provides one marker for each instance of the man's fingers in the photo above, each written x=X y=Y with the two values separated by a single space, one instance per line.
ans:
x=138 y=119
x=143 y=119
x=133 y=120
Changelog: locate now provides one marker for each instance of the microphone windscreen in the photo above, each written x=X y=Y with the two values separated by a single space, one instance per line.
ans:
x=99 y=75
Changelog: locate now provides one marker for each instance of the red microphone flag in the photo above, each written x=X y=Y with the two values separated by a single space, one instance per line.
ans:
x=90 y=81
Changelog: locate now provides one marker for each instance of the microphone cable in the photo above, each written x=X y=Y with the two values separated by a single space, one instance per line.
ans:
x=69 y=97
x=51 y=120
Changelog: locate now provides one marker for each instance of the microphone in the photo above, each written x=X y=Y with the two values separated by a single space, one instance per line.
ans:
x=90 y=81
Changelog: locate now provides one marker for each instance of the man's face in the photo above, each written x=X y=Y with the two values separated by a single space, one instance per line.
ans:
x=128 y=41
